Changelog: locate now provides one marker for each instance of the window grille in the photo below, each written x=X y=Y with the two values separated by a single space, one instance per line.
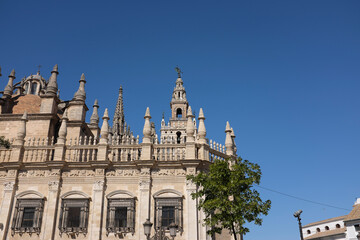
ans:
x=27 y=216
x=74 y=216
x=120 y=216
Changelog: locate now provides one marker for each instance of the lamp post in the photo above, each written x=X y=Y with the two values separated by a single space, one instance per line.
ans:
x=173 y=227
x=147 y=228
x=297 y=215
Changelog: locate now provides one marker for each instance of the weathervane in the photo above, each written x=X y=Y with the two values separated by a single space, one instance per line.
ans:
x=179 y=72
x=39 y=66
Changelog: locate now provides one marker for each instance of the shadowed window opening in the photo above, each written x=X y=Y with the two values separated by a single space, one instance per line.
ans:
x=179 y=113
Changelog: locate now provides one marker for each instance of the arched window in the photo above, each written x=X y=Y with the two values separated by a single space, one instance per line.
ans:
x=318 y=229
x=33 y=88
x=327 y=228
x=178 y=139
x=26 y=88
x=179 y=113
x=308 y=231
x=337 y=225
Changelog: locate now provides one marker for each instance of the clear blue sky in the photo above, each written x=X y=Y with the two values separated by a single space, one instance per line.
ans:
x=284 y=73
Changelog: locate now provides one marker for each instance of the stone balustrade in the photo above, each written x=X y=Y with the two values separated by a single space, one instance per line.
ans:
x=85 y=149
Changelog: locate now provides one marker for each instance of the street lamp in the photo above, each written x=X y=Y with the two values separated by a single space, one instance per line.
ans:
x=147 y=228
x=297 y=215
x=173 y=227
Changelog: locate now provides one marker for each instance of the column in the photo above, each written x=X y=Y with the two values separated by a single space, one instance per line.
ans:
x=144 y=201
x=7 y=202
x=191 y=210
x=97 y=203
x=48 y=227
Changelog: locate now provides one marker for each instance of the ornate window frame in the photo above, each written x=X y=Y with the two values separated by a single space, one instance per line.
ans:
x=74 y=199
x=28 y=199
x=168 y=198
x=117 y=199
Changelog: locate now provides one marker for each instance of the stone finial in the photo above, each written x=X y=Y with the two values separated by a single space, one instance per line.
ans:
x=80 y=94
x=8 y=91
x=63 y=128
x=147 y=113
x=20 y=136
x=105 y=128
x=52 y=86
x=147 y=127
x=202 y=129
x=228 y=140
x=190 y=130
x=94 y=119
x=189 y=112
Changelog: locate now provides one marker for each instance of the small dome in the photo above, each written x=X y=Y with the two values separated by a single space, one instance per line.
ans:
x=33 y=84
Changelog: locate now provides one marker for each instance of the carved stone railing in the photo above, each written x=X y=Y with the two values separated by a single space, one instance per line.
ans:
x=38 y=153
x=124 y=153
x=169 y=152
x=5 y=154
x=87 y=150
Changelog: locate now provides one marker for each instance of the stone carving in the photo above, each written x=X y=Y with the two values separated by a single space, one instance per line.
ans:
x=180 y=172
x=53 y=185
x=79 y=173
x=99 y=172
x=145 y=172
x=40 y=173
x=99 y=185
x=9 y=186
x=11 y=173
x=144 y=184
x=2 y=173
x=54 y=173
x=110 y=173
x=22 y=173
x=123 y=172
x=190 y=171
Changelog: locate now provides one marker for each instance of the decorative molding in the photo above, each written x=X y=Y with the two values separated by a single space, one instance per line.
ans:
x=171 y=191
x=3 y=173
x=54 y=173
x=79 y=173
x=144 y=184
x=99 y=185
x=53 y=185
x=122 y=172
x=9 y=186
x=67 y=194
x=117 y=192
x=29 y=192
x=11 y=173
x=99 y=172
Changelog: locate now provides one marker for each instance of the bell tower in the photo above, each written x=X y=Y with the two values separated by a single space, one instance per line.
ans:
x=175 y=130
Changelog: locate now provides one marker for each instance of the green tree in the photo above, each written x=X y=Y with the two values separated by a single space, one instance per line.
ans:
x=227 y=197
x=4 y=143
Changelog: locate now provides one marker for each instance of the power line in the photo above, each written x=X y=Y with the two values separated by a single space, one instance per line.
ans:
x=303 y=199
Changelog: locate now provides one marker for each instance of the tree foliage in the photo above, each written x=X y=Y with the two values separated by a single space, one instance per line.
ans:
x=4 y=143
x=227 y=197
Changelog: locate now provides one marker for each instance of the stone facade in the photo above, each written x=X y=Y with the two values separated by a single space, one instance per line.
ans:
x=63 y=178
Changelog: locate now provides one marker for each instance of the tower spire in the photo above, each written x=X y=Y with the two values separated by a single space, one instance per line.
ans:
x=80 y=95
x=119 y=116
x=52 y=86
x=8 y=91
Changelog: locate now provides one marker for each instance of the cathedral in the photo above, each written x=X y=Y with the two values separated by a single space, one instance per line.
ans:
x=65 y=178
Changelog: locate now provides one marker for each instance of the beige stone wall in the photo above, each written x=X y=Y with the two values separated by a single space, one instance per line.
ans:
x=82 y=180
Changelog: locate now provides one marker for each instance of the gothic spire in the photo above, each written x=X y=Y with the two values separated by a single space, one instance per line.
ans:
x=119 y=116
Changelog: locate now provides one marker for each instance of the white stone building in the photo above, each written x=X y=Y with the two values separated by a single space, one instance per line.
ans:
x=338 y=228
x=63 y=178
